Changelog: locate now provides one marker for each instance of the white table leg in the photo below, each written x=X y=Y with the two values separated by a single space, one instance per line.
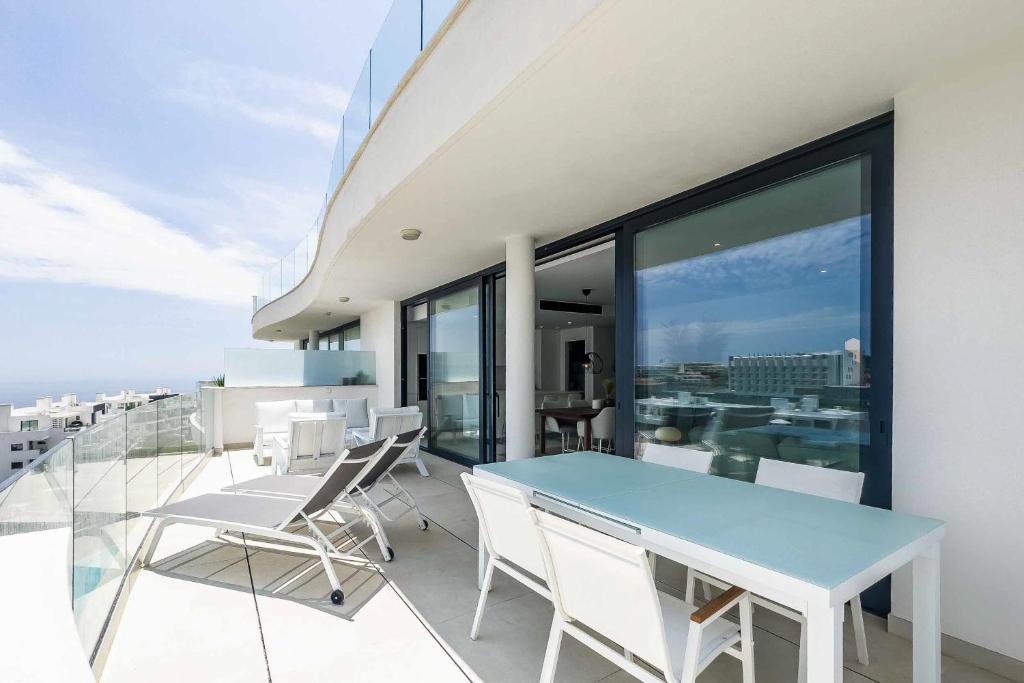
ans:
x=481 y=561
x=825 y=644
x=927 y=626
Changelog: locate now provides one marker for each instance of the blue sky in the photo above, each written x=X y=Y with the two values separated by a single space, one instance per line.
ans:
x=806 y=291
x=154 y=157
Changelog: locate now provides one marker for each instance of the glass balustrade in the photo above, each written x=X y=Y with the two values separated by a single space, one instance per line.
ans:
x=407 y=29
x=84 y=498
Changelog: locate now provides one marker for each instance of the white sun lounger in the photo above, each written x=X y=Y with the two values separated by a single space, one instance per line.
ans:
x=297 y=486
x=280 y=519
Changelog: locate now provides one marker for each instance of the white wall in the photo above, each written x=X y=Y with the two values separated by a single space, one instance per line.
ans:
x=238 y=405
x=958 y=339
x=380 y=332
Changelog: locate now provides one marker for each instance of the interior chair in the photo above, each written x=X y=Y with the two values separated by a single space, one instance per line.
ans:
x=606 y=585
x=312 y=443
x=508 y=535
x=602 y=430
x=563 y=432
x=817 y=481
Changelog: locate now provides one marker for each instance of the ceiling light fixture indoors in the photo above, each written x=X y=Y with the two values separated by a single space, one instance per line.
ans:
x=343 y=299
x=410 y=234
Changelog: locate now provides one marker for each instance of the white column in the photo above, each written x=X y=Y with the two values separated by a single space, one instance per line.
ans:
x=520 y=307
x=297 y=345
x=314 y=340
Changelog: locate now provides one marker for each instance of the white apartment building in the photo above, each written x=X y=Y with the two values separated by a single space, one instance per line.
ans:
x=26 y=433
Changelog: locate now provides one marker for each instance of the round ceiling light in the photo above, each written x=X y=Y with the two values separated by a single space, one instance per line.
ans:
x=343 y=299
x=410 y=234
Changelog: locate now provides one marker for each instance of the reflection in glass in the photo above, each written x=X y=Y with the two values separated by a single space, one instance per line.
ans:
x=753 y=337
x=455 y=373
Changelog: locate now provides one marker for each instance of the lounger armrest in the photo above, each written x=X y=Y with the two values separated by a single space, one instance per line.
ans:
x=718 y=606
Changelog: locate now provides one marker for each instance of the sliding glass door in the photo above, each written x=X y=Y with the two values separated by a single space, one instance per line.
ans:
x=454 y=370
x=753 y=323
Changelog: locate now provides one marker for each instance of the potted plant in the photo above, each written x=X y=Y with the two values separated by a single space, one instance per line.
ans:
x=609 y=391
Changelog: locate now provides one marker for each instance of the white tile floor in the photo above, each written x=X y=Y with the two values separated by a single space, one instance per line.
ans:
x=200 y=615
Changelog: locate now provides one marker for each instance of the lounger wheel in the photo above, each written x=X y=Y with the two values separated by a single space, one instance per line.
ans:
x=424 y=524
x=390 y=555
x=337 y=597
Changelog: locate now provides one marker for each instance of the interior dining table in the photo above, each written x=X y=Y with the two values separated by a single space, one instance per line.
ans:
x=586 y=414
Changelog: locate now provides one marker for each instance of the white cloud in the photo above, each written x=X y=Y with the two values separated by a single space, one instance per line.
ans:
x=302 y=105
x=57 y=229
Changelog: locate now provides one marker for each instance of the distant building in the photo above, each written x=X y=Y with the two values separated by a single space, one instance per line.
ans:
x=26 y=433
x=780 y=375
x=853 y=364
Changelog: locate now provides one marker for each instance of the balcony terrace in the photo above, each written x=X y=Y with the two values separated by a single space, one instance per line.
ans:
x=212 y=610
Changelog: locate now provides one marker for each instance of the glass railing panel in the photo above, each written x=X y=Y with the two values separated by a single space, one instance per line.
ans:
x=293 y=368
x=39 y=499
x=434 y=14
x=143 y=490
x=168 y=438
x=356 y=122
x=191 y=432
x=394 y=51
x=99 y=545
x=408 y=27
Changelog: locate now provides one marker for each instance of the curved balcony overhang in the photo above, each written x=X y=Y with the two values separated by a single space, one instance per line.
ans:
x=548 y=118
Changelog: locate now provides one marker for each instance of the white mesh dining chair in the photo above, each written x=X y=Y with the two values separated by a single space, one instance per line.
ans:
x=676 y=456
x=679 y=456
x=816 y=481
x=508 y=534
x=605 y=584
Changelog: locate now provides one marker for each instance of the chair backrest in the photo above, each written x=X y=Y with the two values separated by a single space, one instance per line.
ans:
x=272 y=416
x=401 y=444
x=551 y=425
x=316 y=434
x=603 y=425
x=817 y=481
x=342 y=476
x=394 y=421
x=679 y=456
x=604 y=583
x=508 y=532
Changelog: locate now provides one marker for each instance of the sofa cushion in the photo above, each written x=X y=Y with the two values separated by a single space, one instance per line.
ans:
x=355 y=410
x=272 y=416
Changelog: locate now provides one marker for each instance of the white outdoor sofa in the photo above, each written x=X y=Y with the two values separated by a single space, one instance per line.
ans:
x=272 y=418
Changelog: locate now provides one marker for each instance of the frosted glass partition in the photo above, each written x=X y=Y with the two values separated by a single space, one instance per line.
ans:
x=292 y=368
x=408 y=28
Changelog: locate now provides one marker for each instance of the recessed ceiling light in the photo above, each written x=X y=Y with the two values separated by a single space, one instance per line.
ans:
x=824 y=270
x=570 y=322
x=410 y=234
x=718 y=244
x=327 y=313
x=343 y=299
x=277 y=330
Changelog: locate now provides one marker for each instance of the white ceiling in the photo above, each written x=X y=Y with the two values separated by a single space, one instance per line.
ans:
x=640 y=102
x=564 y=280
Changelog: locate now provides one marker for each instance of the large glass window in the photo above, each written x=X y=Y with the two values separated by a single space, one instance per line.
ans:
x=753 y=325
x=455 y=373
x=350 y=338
